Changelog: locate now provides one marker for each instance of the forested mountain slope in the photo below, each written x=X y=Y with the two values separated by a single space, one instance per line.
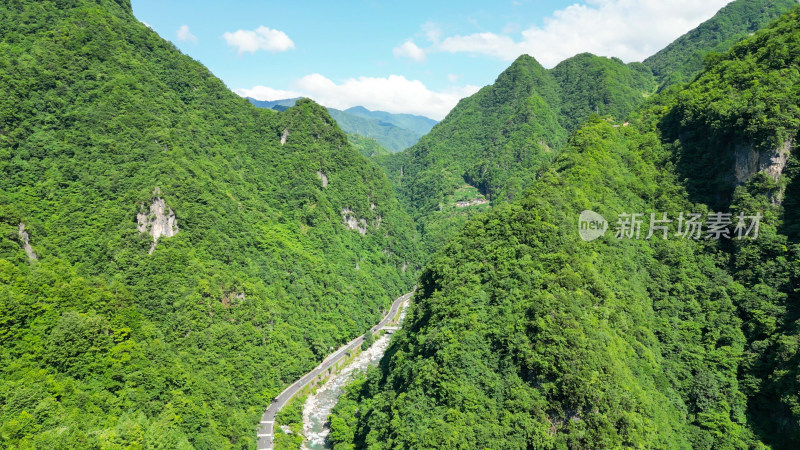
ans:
x=368 y=147
x=389 y=135
x=590 y=84
x=170 y=256
x=735 y=131
x=680 y=61
x=491 y=144
x=524 y=336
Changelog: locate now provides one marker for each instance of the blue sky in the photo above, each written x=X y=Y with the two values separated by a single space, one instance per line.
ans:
x=417 y=57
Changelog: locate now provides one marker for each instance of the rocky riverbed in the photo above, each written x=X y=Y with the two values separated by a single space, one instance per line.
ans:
x=319 y=406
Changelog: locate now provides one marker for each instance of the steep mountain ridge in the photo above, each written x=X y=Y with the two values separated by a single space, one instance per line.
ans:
x=491 y=144
x=524 y=336
x=590 y=84
x=109 y=139
x=471 y=157
x=681 y=60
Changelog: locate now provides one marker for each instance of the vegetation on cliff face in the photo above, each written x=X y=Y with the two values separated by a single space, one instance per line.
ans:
x=103 y=345
x=741 y=119
x=497 y=139
x=523 y=336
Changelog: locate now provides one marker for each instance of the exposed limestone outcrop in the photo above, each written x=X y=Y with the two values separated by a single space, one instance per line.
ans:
x=26 y=243
x=748 y=161
x=473 y=202
x=354 y=223
x=159 y=222
x=232 y=299
x=284 y=136
x=322 y=177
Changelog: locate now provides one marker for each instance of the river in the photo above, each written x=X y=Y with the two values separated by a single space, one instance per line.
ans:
x=319 y=406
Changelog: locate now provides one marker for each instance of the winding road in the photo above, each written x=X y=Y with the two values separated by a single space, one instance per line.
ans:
x=265 y=428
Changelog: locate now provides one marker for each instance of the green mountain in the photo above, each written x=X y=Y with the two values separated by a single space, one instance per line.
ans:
x=418 y=124
x=389 y=135
x=680 y=61
x=368 y=147
x=522 y=335
x=491 y=145
x=394 y=132
x=590 y=84
x=734 y=133
x=478 y=144
x=488 y=147
x=171 y=257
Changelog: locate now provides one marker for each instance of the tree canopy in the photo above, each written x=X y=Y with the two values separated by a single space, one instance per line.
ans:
x=103 y=345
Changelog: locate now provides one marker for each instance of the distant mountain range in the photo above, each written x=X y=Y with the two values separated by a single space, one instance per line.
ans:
x=395 y=132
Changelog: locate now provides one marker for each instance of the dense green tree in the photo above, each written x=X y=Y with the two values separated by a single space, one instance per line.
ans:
x=369 y=339
x=591 y=84
x=523 y=336
x=680 y=61
x=103 y=344
x=368 y=147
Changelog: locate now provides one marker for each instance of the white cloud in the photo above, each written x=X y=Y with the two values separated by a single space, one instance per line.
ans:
x=451 y=77
x=394 y=94
x=492 y=44
x=185 y=35
x=432 y=31
x=629 y=29
x=267 y=93
x=409 y=50
x=262 y=38
x=146 y=24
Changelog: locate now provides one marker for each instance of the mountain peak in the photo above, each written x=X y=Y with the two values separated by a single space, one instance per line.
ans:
x=525 y=59
x=358 y=109
x=523 y=64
